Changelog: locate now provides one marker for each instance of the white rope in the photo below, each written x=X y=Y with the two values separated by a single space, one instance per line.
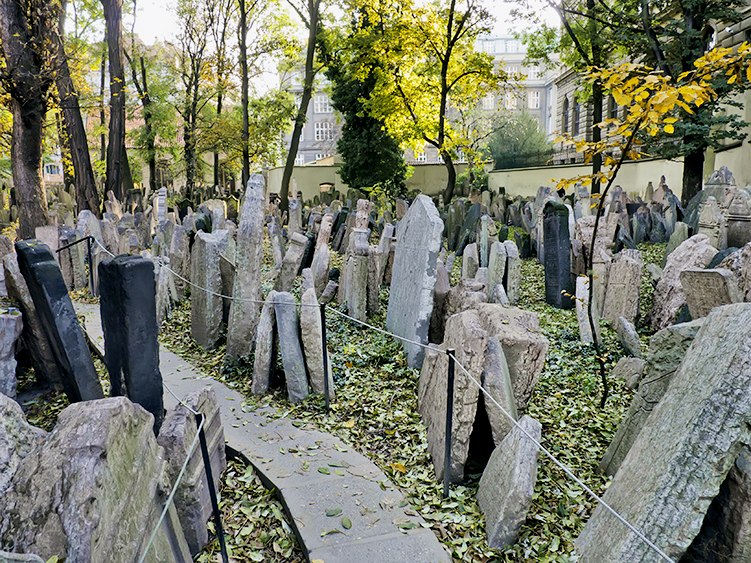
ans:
x=174 y=490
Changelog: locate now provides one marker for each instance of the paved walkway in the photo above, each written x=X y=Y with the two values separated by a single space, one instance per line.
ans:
x=314 y=473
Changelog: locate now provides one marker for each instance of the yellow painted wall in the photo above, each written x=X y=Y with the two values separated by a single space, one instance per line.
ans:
x=633 y=177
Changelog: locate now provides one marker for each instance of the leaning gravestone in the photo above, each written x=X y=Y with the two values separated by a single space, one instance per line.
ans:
x=414 y=276
x=557 y=258
x=684 y=451
x=707 y=289
x=127 y=304
x=265 y=339
x=92 y=489
x=288 y=327
x=291 y=262
x=311 y=329
x=59 y=322
x=508 y=483
x=244 y=313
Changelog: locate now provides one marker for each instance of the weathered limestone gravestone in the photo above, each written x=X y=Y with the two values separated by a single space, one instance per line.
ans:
x=285 y=309
x=192 y=500
x=131 y=349
x=512 y=279
x=624 y=283
x=205 y=307
x=712 y=224
x=684 y=451
x=11 y=325
x=17 y=439
x=103 y=456
x=558 y=287
x=695 y=252
x=311 y=330
x=265 y=339
x=291 y=262
x=59 y=322
x=666 y=351
x=244 y=315
x=508 y=483
x=707 y=289
x=414 y=276
x=582 y=312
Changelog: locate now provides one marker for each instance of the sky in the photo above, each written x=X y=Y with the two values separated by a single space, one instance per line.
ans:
x=156 y=21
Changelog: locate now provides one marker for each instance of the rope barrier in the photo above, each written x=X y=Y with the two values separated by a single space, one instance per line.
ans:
x=174 y=489
x=542 y=448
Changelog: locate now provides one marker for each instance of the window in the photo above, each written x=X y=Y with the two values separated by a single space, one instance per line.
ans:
x=299 y=160
x=420 y=156
x=512 y=46
x=320 y=156
x=460 y=156
x=577 y=116
x=488 y=101
x=512 y=70
x=324 y=131
x=564 y=116
x=52 y=169
x=322 y=104
x=511 y=100
x=533 y=72
x=534 y=100
x=612 y=108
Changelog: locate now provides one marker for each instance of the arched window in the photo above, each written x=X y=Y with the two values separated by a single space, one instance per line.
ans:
x=565 y=115
x=576 y=118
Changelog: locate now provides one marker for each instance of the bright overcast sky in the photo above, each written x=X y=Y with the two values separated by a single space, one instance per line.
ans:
x=156 y=21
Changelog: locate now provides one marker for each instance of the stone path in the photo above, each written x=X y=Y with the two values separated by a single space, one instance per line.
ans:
x=313 y=472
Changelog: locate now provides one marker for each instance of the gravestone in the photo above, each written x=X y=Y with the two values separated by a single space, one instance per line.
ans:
x=179 y=257
x=496 y=379
x=624 y=284
x=11 y=325
x=206 y=306
x=676 y=239
x=582 y=312
x=58 y=320
x=295 y=216
x=265 y=346
x=738 y=216
x=18 y=439
x=291 y=263
x=414 y=275
x=496 y=267
x=243 y=315
x=707 y=289
x=712 y=224
x=127 y=301
x=557 y=259
x=629 y=370
x=512 y=279
x=161 y=205
x=695 y=252
x=470 y=261
x=507 y=485
x=288 y=329
x=311 y=330
x=628 y=336
x=354 y=285
x=484 y=246
x=700 y=426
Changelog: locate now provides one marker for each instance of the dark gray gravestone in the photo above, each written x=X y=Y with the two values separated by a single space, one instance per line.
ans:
x=127 y=302
x=59 y=322
x=524 y=244
x=288 y=329
x=558 y=287
x=307 y=256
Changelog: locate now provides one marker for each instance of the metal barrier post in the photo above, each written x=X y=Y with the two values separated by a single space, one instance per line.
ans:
x=212 y=491
x=449 y=422
x=325 y=357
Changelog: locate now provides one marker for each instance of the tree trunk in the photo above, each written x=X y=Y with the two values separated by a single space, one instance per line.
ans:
x=62 y=140
x=244 y=88
x=29 y=86
x=596 y=95
x=26 y=164
x=448 y=193
x=117 y=159
x=102 y=114
x=693 y=175
x=86 y=192
x=307 y=93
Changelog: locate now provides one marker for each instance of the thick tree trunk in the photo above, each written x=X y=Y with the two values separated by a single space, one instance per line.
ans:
x=29 y=86
x=62 y=139
x=117 y=159
x=693 y=175
x=26 y=164
x=596 y=95
x=244 y=87
x=448 y=193
x=86 y=192
x=307 y=93
x=102 y=114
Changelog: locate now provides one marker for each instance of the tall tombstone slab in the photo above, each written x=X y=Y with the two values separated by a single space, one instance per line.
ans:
x=295 y=214
x=311 y=329
x=707 y=289
x=59 y=322
x=496 y=267
x=206 y=306
x=127 y=301
x=265 y=340
x=288 y=328
x=243 y=316
x=414 y=275
x=684 y=451
x=11 y=325
x=512 y=279
x=624 y=284
x=557 y=259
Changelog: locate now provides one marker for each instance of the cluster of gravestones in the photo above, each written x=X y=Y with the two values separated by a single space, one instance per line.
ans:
x=99 y=446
